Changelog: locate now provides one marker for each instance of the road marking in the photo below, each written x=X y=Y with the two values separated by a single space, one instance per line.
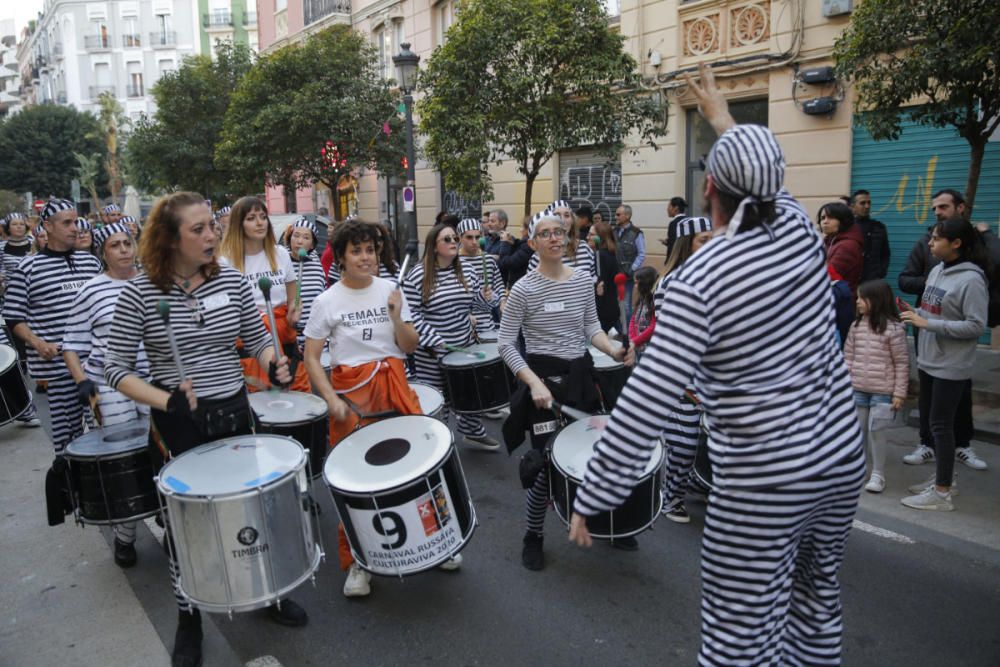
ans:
x=264 y=661
x=882 y=532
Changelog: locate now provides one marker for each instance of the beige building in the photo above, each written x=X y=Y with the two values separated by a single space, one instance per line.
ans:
x=763 y=49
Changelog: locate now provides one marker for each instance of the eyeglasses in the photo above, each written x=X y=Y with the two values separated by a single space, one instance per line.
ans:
x=545 y=235
x=191 y=302
x=473 y=236
x=448 y=239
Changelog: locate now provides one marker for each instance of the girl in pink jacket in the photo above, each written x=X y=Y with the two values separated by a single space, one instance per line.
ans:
x=877 y=357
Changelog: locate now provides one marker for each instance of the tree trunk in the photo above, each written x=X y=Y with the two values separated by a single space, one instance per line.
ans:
x=975 y=166
x=529 y=183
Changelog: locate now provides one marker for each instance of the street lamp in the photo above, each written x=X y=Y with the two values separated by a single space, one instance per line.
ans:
x=407 y=63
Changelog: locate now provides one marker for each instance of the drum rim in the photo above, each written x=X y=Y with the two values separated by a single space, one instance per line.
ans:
x=13 y=360
x=100 y=434
x=555 y=463
x=300 y=422
x=208 y=497
x=452 y=450
x=476 y=362
x=437 y=393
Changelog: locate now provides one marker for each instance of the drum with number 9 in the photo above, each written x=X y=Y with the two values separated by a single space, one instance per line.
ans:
x=399 y=487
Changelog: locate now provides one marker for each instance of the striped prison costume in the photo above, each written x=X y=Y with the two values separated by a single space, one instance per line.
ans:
x=557 y=319
x=11 y=255
x=205 y=323
x=40 y=293
x=752 y=323
x=87 y=330
x=680 y=436
x=473 y=266
x=312 y=285
x=584 y=259
x=443 y=319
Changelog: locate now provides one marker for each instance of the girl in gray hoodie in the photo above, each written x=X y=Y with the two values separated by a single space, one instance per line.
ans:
x=951 y=316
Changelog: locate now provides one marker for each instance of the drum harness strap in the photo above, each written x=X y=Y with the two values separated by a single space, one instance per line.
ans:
x=379 y=365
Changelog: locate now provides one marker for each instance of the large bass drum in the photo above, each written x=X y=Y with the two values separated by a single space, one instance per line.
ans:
x=570 y=452
x=399 y=487
x=111 y=474
x=14 y=395
x=238 y=513
x=477 y=379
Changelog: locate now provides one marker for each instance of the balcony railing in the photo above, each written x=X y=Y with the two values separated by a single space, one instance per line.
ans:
x=57 y=51
x=217 y=19
x=131 y=41
x=97 y=91
x=163 y=39
x=317 y=9
x=97 y=42
x=135 y=91
x=249 y=18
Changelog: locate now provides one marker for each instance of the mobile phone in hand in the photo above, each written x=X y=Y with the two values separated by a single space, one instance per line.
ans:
x=902 y=305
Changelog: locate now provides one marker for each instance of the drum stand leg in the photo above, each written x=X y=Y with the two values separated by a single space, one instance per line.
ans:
x=222 y=556
x=267 y=537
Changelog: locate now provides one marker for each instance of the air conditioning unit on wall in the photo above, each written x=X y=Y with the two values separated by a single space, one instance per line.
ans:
x=837 y=7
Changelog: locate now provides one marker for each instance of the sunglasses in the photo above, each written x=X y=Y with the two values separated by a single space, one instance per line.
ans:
x=448 y=239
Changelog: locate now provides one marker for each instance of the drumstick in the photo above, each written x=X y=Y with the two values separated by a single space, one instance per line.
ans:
x=620 y=281
x=486 y=265
x=572 y=412
x=463 y=350
x=597 y=253
x=163 y=307
x=403 y=269
x=298 y=284
x=265 y=286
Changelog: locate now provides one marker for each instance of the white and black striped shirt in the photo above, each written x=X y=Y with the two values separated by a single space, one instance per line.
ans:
x=89 y=325
x=751 y=320
x=205 y=323
x=40 y=293
x=558 y=318
x=473 y=266
x=445 y=316
x=584 y=259
x=313 y=284
x=11 y=255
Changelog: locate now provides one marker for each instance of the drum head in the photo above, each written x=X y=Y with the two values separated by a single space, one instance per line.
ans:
x=574 y=445
x=232 y=466
x=470 y=358
x=603 y=361
x=387 y=454
x=430 y=398
x=287 y=407
x=8 y=357
x=110 y=440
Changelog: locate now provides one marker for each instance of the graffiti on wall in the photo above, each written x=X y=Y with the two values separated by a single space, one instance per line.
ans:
x=917 y=199
x=596 y=186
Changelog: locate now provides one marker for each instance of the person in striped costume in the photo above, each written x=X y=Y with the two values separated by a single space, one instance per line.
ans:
x=36 y=305
x=755 y=333
x=441 y=297
x=85 y=344
x=475 y=262
x=577 y=253
x=554 y=307
x=13 y=249
x=84 y=235
x=302 y=236
x=210 y=305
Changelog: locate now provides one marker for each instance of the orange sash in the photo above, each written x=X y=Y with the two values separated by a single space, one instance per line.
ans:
x=256 y=376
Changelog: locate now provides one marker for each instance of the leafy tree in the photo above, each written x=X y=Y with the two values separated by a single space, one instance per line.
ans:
x=940 y=57
x=175 y=149
x=113 y=123
x=88 y=170
x=312 y=112
x=10 y=202
x=522 y=79
x=38 y=144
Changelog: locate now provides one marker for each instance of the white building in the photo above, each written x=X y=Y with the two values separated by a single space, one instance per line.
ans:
x=82 y=49
x=10 y=77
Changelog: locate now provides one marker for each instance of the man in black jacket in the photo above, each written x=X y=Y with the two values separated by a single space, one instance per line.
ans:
x=876 y=250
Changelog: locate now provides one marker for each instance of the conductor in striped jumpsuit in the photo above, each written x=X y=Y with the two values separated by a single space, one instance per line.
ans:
x=755 y=331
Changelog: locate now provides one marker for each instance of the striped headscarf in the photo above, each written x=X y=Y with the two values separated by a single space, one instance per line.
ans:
x=83 y=225
x=747 y=162
x=112 y=208
x=54 y=206
x=469 y=225
x=692 y=226
x=538 y=218
x=105 y=232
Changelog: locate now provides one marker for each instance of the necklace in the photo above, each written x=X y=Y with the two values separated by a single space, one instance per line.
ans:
x=187 y=279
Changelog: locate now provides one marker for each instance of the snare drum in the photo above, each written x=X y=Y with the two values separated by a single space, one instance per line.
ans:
x=242 y=531
x=111 y=474
x=431 y=400
x=14 y=395
x=399 y=487
x=611 y=375
x=302 y=417
x=476 y=384
x=571 y=451
x=490 y=336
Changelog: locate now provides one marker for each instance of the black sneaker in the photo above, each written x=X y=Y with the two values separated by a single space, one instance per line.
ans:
x=676 y=512
x=187 y=640
x=125 y=555
x=625 y=543
x=531 y=555
x=290 y=614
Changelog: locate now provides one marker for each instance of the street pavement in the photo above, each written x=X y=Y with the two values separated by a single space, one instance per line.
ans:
x=918 y=588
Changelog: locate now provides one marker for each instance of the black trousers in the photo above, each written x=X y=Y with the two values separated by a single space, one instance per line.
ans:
x=940 y=415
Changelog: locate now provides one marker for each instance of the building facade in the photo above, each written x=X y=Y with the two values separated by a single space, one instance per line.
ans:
x=78 y=50
x=10 y=70
x=232 y=21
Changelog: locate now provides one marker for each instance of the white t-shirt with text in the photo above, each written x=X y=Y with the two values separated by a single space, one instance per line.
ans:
x=256 y=266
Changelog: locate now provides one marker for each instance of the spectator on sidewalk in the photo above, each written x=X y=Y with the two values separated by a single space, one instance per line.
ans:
x=676 y=211
x=877 y=358
x=843 y=241
x=876 y=237
x=607 y=263
x=631 y=251
x=952 y=315
x=514 y=264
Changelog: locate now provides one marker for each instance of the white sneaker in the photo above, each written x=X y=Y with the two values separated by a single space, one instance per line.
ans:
x=920 y=487
x=921 y=454
x=969 y=457
x=358 y=582
x=451 y=564
x=930 y=499
x=876 y=484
